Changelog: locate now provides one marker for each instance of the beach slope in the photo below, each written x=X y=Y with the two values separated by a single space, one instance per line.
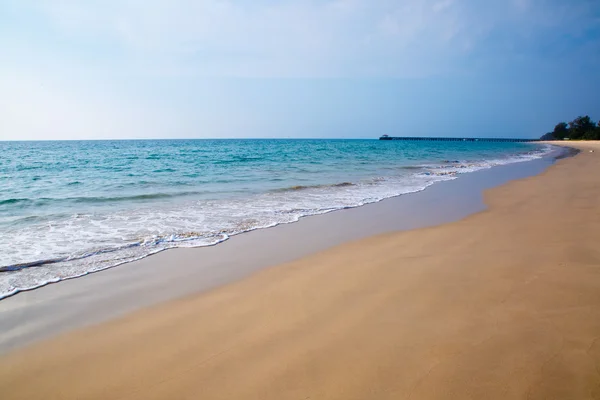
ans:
x=504 y=304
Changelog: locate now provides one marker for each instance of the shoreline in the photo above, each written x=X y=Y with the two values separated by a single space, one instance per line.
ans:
x=48 y=277
x=502 y=304
x=103 y=295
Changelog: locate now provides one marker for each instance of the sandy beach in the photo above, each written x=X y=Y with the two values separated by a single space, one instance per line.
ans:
x=503 y=304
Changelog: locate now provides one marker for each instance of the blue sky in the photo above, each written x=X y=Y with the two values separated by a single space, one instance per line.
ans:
x=341 y=68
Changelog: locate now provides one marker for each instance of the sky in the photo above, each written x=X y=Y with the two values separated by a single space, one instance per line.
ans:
x=128 y=69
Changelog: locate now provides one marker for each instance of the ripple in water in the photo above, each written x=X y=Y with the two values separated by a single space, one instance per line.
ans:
x=101 y=204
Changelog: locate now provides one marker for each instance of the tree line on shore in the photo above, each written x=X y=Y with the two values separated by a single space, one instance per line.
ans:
x=581 y=128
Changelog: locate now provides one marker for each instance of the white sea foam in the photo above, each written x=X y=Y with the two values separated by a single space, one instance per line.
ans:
x=127 y=235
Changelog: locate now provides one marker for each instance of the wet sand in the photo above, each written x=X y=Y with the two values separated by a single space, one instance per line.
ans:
x=502 y=304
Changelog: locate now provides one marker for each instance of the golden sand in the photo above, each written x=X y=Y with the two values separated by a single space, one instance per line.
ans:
x=504 y=304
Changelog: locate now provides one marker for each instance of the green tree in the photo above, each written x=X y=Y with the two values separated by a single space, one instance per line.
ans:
x=580 y=127
x=548 y=136
x=593 y=134
x=561 y=131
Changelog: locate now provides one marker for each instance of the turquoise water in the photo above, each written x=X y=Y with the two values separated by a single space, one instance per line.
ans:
x=70 y=208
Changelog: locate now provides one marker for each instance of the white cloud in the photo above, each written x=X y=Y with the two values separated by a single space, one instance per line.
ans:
x=68 y=81
x=293 y=38
x=290 y=39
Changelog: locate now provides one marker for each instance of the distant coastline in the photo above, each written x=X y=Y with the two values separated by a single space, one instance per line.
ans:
x=456 y=139
x=581 y=128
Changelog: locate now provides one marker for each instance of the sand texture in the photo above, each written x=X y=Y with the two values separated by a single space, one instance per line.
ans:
x=504 y=304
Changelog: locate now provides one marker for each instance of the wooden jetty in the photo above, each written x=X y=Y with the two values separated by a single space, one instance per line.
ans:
x=454 y=139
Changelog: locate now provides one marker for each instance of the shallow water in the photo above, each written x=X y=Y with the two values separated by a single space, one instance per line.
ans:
x=70 y=208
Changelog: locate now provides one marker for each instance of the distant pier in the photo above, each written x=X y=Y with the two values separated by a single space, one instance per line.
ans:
x=454 y=139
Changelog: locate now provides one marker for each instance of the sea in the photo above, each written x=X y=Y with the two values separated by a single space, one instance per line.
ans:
x=70 y=208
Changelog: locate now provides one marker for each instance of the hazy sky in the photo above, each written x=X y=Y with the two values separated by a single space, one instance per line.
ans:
x=258 y=68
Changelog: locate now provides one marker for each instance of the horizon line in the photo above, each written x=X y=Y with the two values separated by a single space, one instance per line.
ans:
x=257 y=138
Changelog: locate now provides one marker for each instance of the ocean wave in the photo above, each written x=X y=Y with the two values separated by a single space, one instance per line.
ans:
x=238 y=159
x=124 y=236
x=101 y=199
x=13 y=201
x=37 y=263
x=162 y=170
x=143 y=242
x=323 y=186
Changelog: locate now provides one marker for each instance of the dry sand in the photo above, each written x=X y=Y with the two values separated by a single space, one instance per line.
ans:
x=504 y=304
